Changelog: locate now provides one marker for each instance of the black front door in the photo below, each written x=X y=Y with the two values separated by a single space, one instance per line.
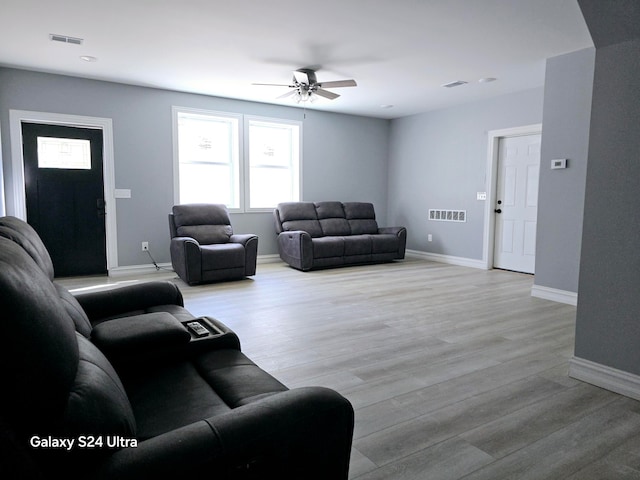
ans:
x=65 y=195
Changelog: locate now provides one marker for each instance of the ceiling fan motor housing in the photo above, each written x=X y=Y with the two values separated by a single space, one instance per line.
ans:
x=307 y=77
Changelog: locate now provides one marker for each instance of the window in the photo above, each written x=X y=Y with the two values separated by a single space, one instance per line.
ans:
x=65 y=153
x=249 y=166
x=273 y=161
x=208 y=158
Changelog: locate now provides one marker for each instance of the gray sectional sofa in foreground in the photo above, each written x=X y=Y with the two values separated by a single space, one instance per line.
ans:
x=314 y=235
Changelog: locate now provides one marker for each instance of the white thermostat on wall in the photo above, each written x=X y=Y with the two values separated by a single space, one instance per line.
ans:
x=558 y=163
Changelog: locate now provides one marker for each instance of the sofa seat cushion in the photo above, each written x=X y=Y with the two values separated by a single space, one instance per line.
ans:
x=159 y=407
x=384 y=243
x=227 y=255
x=235 y=378
x=357 y=245
x=325 y=247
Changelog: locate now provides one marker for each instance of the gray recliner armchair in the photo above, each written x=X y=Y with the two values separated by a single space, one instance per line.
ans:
x=204 y=247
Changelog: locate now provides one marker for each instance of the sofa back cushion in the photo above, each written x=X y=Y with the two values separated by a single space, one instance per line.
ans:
x=98 y=403
x=25 y=235
x=39 y=354
x=332 y=218
x=206 y=223
x=75 y=310
x=300 y=216
x=361 y=217
x=58 y=382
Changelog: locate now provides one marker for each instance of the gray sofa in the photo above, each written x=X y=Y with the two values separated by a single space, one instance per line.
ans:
x=136 y=395
x=314 y=235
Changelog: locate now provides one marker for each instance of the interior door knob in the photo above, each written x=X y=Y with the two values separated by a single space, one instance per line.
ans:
x=498 y=210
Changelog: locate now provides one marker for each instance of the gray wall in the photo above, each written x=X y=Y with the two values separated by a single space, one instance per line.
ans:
x=438 y=159
x=608 y=316
x=344 y=157
x=565 y=134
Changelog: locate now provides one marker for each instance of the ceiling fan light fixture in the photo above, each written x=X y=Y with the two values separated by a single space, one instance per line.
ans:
x=301 y=95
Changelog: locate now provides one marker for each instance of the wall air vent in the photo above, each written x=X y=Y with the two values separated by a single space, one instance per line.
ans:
x=65 y=39
x=448 y=215
x=457 y=83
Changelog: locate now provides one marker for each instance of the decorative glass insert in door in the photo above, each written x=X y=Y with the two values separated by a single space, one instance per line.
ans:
x=64 y=153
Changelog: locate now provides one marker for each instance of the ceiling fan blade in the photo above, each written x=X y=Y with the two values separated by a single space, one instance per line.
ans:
x=288 y=94
x=301 y=77
x=338 y=83
x=274 y=85
x=326 y=93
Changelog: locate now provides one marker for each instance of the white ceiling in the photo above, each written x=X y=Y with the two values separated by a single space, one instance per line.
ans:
x=399 y=51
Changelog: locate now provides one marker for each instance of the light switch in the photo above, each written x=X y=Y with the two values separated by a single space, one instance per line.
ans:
x=558 y=163
x=481 y=195
x=122 y=193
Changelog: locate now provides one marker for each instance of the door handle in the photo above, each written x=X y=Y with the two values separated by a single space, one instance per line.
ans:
x=101 y=207
x=498 y=210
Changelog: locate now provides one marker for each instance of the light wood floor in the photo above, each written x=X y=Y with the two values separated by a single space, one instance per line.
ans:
x=454 y=372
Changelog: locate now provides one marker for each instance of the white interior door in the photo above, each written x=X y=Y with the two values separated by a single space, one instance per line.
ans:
x=516 y=207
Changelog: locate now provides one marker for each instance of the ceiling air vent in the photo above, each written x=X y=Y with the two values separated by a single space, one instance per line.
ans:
x=448 y=215
x=457 y=83
x=65 y=39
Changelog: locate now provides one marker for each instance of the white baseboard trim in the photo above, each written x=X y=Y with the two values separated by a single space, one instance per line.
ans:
x=554 y=294
x=451 y=260
x=132 y=270
x=609 y=378
x=272 y=258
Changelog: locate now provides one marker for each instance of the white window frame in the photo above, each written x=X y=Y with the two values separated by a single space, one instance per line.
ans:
x=296 y=169
x=243 y=155
x=176 y=151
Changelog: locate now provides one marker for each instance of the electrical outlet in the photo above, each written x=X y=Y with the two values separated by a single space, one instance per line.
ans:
x=145 y=246
x=429 y=238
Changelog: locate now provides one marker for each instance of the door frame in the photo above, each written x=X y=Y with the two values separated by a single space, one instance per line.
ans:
x=494 y=137
x=19 y=208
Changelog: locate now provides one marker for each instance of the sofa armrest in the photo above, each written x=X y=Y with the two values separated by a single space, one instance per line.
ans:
x=186 y=259
x=242 y=238
x=113 y=302
x=298 y=428
x=401 y=233
x=181 y=453
x=139 y=335
x=301 y=433
x=393 y=230
x=250 y=243
x=223 y=338
x=296 y=248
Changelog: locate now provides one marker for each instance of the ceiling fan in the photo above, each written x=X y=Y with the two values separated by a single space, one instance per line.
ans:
x=305 y=86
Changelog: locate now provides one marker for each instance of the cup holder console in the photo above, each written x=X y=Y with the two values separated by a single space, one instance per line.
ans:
x=201 y=327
